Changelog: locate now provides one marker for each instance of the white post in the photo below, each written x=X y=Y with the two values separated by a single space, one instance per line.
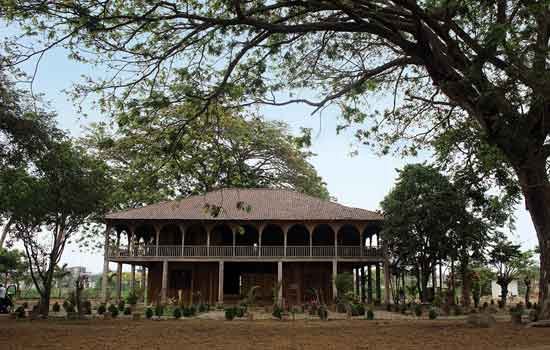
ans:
x=285 y=234
x=144 y=284
x=105 y=279
x=208 y=229
x=260 y=232
x=280 y=282
x=220 y=283
x=234 y=231
x=164 y=290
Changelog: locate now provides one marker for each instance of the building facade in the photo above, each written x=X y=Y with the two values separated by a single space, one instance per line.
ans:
x=213 y=248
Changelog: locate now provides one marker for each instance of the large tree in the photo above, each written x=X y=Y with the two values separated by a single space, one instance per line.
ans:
x=421 y=212
x=57 y=199
x=469 y=68
x=153 y=160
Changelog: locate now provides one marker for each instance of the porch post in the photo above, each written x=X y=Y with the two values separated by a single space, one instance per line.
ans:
x=310 y=241
x=362 y=271
x=280 y=283
x=377 y=283
x=208 y=229
x=157 y=238
x=234 y=231
x=119 y=281
x=182 y=230
x=285 y=231
x=133 y=279
x=260 y=232
x=334 y=273
x=369 y=284
x=164 y=290
x=105 y=277
x=220 y=283
x=361 y=244
x=144 y=283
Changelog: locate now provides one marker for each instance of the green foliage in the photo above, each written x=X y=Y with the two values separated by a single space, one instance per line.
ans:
x=177 y=313
x=370 y=314
x=151 y=163
x=277 y=312
x=121 y=305
x=56 y=307
x=127 y=310
x=344 y=284
x=432 y=314
x=230 y=313
x=101 y=309
x=159 y=310
x=322 y=312
x=148 y=312
x=418 y=310
x=132 y=298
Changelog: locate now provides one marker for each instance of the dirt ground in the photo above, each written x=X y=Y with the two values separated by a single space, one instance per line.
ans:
x=243 y=335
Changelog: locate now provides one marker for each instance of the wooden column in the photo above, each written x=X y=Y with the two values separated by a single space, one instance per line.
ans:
x=182 y=231
x=260 y=232
x=362 y=270
x=157 y=238
x=118 y=281
x=133 y=279
x=369 y=284
x=285 y=232
x=334 y=274
x=234 y=231
x=357 y=283
x=377 y=283
x=105 y=277
x=208 y=230
x=164 y=290
x=220 y=283
x=144 y=283
x=280 y=283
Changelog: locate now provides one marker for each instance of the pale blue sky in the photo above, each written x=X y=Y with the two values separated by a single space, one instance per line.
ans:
x=361 y=181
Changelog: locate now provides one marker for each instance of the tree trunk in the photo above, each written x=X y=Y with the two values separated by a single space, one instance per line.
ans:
x=536 y=190
x=5 y=232
x=503 y=293
x=45 y=301
x=466 y=283
x=527 y=282
x=453 y=294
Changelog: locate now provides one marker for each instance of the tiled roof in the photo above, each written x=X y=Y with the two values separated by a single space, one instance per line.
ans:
x=264 y=204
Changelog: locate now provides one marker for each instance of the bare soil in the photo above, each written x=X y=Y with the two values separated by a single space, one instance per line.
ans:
x=267 y=334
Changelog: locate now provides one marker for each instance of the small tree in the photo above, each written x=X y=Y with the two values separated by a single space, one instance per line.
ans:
x=63 y=193
x=508 y=261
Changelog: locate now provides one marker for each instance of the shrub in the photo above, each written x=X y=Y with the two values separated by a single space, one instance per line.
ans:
x=357 y=309
x=69 y=308
x=485 y=305
x=149 y=312
x=230 y=314
x=87 y=307
x=322 y=312
x=56 y=307
x=403 y=308
x=113 y=310
x=20 y=312
x=204 y=307
x=187 y=311
x=458 y=310
x=66 y=304
x=159 y=310
x=25 y=305
x=370 y=314
x=529 y=305
x=418 y=310
x=127 y=310
x=437 y=301
x=177 y=313
x=240 y=311
x=121 y=305
x=432 y=314
x=132 y=299
x=277 y=312
x=101 y=309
